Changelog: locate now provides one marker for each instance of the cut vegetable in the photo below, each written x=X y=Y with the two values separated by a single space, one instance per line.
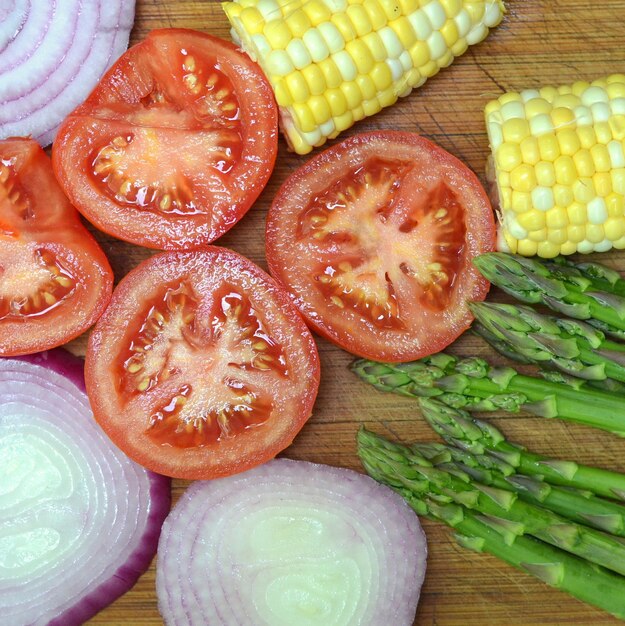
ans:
x=55 y=281
x=201 y=367
x=558 y=164
x=79 y=521
x=51 y=56
x=374 y=239
x=290 y=543
x=334 y=62
x=174 y=144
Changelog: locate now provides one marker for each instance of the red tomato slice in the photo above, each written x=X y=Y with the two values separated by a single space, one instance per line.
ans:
x=374 y=239
x=201 y=366
x=173 y=145
x=55 y=281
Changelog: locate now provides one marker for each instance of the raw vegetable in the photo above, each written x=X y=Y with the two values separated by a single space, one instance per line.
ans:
x=201 y=367
x=558 y=165
x=396 y=466
x=334 y=62
x=474 y=385
x=174 y=144
x=290 y=543
x=458 y=428
x=55 y=280
x=51 y=56
x=571 y=346
x=580 y=506
x=587 y=294
x=374 y=239
x=79 y=521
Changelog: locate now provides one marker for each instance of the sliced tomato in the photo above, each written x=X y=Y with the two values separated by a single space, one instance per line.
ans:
x=55 y=281
x=201 y=366
x=173 y=145
x=374 y=239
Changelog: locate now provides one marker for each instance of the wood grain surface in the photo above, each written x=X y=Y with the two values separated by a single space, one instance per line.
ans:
x=540 y=42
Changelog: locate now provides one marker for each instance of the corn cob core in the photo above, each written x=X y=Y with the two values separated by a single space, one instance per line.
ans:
x=558 y=161
x=334 y=62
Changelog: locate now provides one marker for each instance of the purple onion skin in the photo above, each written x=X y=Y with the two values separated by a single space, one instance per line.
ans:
x=71 y=367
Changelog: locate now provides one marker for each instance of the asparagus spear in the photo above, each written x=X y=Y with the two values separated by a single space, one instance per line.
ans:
x=579 y=506
x=603 y=278
x=568 y=345
x=459 y=429
x=585 y=581
x=572 y=292
x=472 y=384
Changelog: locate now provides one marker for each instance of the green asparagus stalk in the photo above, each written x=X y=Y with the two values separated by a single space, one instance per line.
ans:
x=459 y=429
x=565 y=289
x=588 y=582
x=580 y=506
x=474 y=385
x=603 y=278
x=570 y=346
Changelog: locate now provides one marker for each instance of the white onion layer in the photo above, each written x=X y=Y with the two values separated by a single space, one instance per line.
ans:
x=52 y=54
x=290 y=543
x=78 y=519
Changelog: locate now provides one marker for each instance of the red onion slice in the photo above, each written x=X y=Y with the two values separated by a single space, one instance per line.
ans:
x=51 y=56
x=288 y=543
x=79 y=521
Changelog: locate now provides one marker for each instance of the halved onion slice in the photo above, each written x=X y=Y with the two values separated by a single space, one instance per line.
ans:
x=290 y=543
x=51 y=56
x=79 y=521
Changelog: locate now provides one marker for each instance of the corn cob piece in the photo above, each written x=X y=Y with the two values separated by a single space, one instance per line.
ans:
x=558 y=161
x=334 y=62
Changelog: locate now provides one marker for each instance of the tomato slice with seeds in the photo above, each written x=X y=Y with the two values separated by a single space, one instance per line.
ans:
x=374 y=239
x=201 y=366
x=54 y=279
x=173 y=145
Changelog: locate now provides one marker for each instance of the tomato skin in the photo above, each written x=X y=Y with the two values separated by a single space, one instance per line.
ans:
x=321 y=175
x=40 y=232
x=206 y=269
x=219 y=199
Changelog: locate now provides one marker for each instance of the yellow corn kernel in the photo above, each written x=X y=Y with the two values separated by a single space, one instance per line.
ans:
x=584 y=190
x=545 y=174
x=566 y=174
x=537 y=106
x=522 y=204
x=595 y=233
x=359 y=19
x=568 y=247
x=562 y=117
x=352 y=94
x=538 y=235
x=375 y=45
x=387 y=97
x=619 y=244
x=404 y=31
x=558 y=236
x=587 y=137
x=337 y=102
x=568 y=141
x=283 y=95
x=381 y=76
x=297 y=86
x=563 y=195
x=344 y=121
x=460 y=47
x=331 y=74
x=298 y=23
x=532 y=219
x=367 y=87
x=530 y=152
x=316 y=11
x=315 y=78
x=361 y=55
x=549 y=147
x=509 y=157
x=320 y=109
x=252 y=20
x=359 y=113
x=548 y=250
x=515 y=130
x=618 y=180
x=450 y=33
x=577 y=213
x=452 y=7
x=601 y=158
x=371 y=107
x=523 y=178
x=614 y=228
x=576 y=233
x=420 y=54
x=344 y=25
x=525 y=247
x=557 y=218
x=278 y=34
x=603 y=131
x=584 y=164
x=603 y=184
x=616 y=205
x=392 y=8
x=304 y=117
x=375 y=13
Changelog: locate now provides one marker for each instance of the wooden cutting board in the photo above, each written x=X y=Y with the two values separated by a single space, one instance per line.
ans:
x=540 y=42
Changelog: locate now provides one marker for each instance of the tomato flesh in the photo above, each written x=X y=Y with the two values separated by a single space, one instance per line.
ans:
x=54 y=279
x=201 y=367
x=172 y=147
x=374 y=239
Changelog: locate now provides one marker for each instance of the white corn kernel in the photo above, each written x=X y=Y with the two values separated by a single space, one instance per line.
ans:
x=583 y=115
x=593 y=95
x=529 y=94
x=603 y=246
x=542 y=198
x=332 y=36
x=600 y=112
x=279 y=63
x=420 y=24
x=406 y=61
x=618 y=106
x=345 y=65
x=541 y=125
x=515 y=229
x=437 y=45
x=492 y=16
x=397 y=69
x=513 y=110
x=463 y=23
x=597 y=211
x=299 y=54
x=317 y=47
x=617 y=156
x=435 y=14
x=476 y=34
